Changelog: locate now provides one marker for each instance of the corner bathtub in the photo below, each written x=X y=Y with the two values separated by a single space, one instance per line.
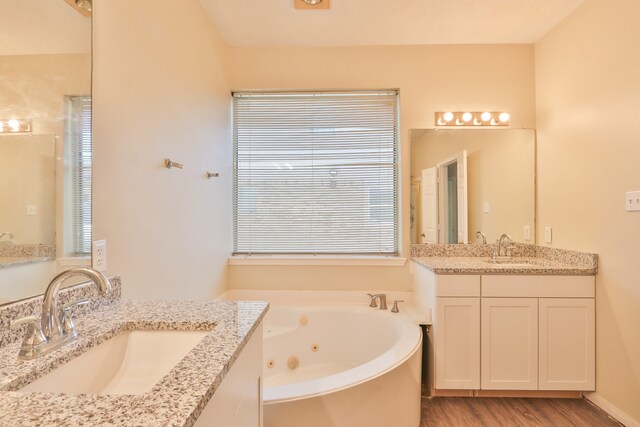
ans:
x=340 y=365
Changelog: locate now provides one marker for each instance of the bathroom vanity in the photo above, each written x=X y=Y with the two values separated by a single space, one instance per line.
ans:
x=215 y=381
x=524 y=326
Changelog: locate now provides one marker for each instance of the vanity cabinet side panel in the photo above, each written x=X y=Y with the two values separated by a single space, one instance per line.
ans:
x=457 y=343
x=424 y=290
x=509 y=348
x=237 y=402
x=567 y=344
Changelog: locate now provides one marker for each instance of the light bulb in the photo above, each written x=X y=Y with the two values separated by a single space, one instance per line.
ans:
x=85 y=4
x=486 y=116
x=441 y=122
x=503 y=117
x=312 y=2
x=448 y=116
x=476 y=122
x=14 y=125
x=467 y=117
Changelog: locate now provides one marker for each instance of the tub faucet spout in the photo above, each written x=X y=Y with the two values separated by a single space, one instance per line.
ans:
x=381 y=297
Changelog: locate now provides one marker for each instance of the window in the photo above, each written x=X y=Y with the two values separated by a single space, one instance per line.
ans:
x=316 y=173
x=78 y=141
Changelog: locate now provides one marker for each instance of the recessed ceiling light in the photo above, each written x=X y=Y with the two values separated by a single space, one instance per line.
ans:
x=311 y=4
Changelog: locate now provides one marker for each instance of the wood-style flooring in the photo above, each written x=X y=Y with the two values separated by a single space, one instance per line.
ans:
x=489 y=411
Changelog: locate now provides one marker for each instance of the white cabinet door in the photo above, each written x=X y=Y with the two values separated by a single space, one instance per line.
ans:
x=457 y=343
x=509 y=346
x=567 y=344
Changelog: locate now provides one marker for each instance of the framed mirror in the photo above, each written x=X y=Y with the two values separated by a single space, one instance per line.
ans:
x=472 y=185
x=45 y=164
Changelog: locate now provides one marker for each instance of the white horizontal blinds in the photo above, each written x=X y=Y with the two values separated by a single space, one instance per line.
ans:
x=316 y=173
x=78 y=132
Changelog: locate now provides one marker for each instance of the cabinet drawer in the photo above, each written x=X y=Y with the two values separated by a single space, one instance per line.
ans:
x=538 y=286
x=457 y=286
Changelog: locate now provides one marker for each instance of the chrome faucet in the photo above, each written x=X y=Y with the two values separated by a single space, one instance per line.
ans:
x=55 y=328
x=503 y=250
x=381 y=297
x=481 y=234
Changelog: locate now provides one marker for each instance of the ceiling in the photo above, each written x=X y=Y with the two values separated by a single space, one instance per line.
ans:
x=30 y=27
x=386 y=22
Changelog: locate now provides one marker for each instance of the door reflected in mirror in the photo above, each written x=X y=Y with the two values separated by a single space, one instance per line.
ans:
x=470 y=183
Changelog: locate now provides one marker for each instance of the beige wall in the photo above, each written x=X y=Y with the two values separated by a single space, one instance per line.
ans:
x=500 y=171
x=430 y=78
x=159 y=92
x=588 y=98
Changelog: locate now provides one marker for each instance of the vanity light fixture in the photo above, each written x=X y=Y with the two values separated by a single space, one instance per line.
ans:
x=15 y=125
x=472 y=118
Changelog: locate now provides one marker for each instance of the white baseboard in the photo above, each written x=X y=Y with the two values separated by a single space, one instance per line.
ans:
x=612 y=410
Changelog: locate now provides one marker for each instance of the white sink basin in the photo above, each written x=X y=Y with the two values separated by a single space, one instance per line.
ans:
x=129 y=363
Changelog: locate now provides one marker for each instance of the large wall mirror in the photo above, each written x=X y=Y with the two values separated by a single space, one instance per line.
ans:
x=45 y=171
x=472 y=185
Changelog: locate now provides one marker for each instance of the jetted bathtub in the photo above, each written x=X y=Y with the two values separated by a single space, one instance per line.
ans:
x=340 y=365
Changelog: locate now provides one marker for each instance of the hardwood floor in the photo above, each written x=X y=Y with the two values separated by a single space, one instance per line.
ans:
x=485 y=411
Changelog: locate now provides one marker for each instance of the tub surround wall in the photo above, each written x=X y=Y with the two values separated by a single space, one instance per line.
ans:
x=33 y=306
x=177 y=399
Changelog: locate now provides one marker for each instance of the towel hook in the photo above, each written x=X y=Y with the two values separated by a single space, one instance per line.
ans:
x=168 y=163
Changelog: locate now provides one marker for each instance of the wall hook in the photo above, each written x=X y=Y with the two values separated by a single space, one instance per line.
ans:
x=168 y=163
x=212 y=175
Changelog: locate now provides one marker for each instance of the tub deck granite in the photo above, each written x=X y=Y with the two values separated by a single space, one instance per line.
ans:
x=177 y=400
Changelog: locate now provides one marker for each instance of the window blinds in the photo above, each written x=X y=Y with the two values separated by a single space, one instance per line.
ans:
x=78 y=136
x=316 y=173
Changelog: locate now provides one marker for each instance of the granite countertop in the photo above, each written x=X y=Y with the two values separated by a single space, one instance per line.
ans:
x=177 y=400
x=10 y=261
x=518 y=265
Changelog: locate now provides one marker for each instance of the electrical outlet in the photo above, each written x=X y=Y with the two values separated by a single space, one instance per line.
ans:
x=547 y=234
x=32 y=210
x=485 y=207
x=632 y=201
x=99 y=255
x=527 y=232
